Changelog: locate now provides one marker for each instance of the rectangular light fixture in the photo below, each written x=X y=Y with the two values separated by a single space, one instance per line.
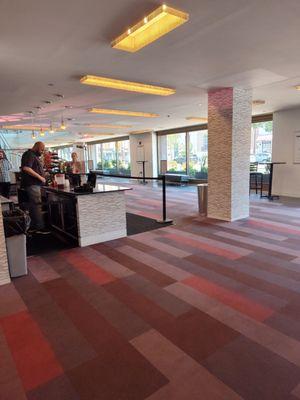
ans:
x=152 y=27
x=25 y=127
x=108 y=126
x=126 y=85
x=93 y=134
x=141 y=131
x=197 y=119
x=122 y=112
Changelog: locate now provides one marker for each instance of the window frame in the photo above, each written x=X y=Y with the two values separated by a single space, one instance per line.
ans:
x=204 y=127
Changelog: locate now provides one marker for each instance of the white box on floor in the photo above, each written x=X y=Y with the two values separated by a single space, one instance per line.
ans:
x=16 y=255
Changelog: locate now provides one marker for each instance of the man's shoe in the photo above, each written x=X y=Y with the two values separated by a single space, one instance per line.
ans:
x=42 y=232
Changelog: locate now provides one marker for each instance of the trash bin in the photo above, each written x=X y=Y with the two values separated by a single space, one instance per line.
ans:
x=202 y=198
x=16 y=223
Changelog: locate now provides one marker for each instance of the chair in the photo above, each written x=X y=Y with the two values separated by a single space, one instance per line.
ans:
x=256 y=179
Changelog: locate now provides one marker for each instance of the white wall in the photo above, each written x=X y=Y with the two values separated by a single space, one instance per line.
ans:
x=148 y=141
x=286 y=181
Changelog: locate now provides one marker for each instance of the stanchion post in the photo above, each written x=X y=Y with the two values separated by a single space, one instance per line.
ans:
x=164 y=197
x=164 y=203
x=144 y=180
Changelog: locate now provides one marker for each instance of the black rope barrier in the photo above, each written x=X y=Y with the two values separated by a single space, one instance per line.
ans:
x=159 y=178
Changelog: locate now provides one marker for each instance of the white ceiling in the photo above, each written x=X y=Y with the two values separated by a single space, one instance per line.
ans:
x=248 y=43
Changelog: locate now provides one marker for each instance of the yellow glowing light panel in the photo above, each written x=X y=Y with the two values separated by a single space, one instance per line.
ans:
x=121 y=112
x=25 y=127
x=92 y=134
x=108 y=126
x=140 y=132
x=199 y=119
x=155 y=25
x=126 y=85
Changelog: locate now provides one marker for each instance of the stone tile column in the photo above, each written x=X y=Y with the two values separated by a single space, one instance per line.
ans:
x=229 y=136
x=4 y=274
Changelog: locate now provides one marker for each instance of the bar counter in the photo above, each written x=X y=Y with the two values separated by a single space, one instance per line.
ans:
x=88 y=218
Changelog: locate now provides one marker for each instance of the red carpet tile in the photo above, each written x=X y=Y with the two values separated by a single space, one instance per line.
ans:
x=204 y=310
x=230 y=298
x=34 y=359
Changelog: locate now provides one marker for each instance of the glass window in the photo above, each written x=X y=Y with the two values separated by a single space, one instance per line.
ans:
x=172 y=153
x=109 y=157
x=123 y=157
x=198 y=153
x=173 y=157
x=65 y=153
x=261 y=142
x=98 y=154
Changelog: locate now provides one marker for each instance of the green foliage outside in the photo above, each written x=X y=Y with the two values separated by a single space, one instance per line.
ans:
x=111 y=167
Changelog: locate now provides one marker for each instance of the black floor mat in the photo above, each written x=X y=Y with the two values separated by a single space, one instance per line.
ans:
x=138 y=224
x=41 y=244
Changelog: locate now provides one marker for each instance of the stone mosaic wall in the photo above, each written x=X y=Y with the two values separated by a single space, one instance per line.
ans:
x=4 y=274
x=229 y=134
x=101 y=217
x=241 y=142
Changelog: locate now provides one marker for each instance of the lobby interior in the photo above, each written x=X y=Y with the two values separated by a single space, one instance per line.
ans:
x=187 y=305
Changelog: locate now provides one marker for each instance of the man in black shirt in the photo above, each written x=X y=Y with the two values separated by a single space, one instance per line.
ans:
x=32 y=179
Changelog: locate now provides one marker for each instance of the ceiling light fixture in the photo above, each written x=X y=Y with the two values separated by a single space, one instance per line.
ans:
x=121 y=112
x=51 y=129
x=23 y=127
x=42 y=133
x=152 y=27
x=258 y=102
x=141 y=131
x=62 y=125
x=126 y=85
x=33 y=136
x=97 y=134
x=108 y=126
x=198 y=119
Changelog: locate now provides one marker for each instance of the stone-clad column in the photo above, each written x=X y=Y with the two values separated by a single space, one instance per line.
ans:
x=229 y=136
x=4 y=274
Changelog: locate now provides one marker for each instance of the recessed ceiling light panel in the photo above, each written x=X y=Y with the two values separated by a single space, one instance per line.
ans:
x=122 y=112
x=141 y=132
x=92 y=134
x=258 y=102
x=126 y=85
x=108 y=126
x=198 y=119
x=152 y=27
x=24 y=127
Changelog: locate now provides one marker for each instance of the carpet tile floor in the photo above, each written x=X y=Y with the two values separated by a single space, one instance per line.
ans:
x=202 y=309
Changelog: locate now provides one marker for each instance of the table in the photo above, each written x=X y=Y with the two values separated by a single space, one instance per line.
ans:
x=271 y=164
x=143 y=164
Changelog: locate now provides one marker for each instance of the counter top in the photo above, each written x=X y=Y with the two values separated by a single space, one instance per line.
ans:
x=100 y=188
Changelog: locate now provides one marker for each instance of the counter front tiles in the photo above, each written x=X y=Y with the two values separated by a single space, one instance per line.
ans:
x=100 y=215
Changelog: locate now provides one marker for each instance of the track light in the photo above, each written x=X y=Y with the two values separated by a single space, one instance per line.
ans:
x=51 y=130
x=63 y=126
